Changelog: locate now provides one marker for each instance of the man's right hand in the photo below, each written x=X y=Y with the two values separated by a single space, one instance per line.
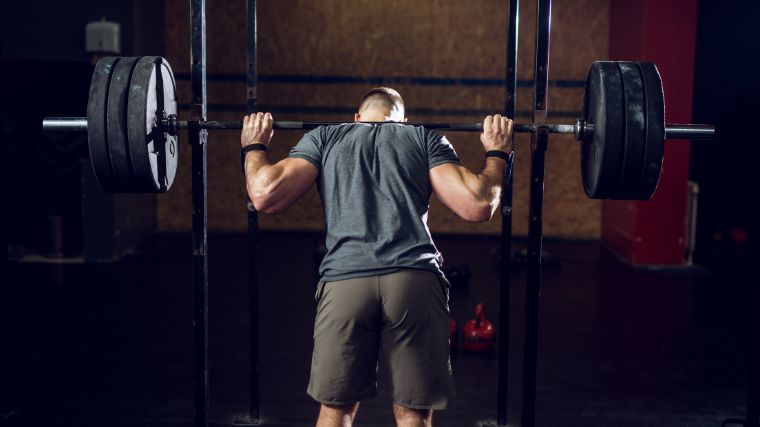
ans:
x=257 y=129
x=497 y=134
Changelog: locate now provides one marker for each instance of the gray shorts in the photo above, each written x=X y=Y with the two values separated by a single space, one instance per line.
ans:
x=402 y=317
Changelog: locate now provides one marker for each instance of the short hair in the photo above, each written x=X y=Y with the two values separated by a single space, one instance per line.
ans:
x=384 y=97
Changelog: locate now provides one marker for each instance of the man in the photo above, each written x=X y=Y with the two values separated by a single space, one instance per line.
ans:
x=382 y=291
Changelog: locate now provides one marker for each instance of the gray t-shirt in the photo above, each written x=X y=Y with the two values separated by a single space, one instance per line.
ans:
x=375 y=190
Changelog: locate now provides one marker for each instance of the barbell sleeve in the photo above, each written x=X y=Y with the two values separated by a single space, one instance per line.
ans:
x=64 y=124
x=684 y=131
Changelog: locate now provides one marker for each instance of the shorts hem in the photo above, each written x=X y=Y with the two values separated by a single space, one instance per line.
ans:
x=435 y=407
x=341 y=402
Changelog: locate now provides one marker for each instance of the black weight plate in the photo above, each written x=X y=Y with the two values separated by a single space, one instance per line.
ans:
x=601 y=153
x=635 y=137
x=97 y=107
x=154 y=153
x=116 y=124
x=655 y=130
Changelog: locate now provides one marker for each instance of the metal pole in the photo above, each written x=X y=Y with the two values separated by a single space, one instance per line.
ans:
x=539 y=143
x=505 y=288
x=753 y=387
x=4 y=180
x=580 y=128
x=198 y=139
x=254 y=410
x=72 y=124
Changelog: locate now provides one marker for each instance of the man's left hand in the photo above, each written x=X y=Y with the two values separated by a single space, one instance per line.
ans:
x=257 y=129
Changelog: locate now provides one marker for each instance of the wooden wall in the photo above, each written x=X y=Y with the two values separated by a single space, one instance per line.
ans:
x=446 y=58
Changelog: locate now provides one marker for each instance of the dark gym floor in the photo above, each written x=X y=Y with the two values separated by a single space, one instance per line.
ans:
x=111 y=345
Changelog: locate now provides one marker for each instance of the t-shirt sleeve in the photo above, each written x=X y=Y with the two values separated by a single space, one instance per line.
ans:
x=439 y=150
x=310 y=148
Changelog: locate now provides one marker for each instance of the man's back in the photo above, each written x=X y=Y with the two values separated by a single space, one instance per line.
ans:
x=375 y=189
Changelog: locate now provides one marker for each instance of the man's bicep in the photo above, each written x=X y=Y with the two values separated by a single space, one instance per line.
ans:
x=295 y=177
x=299 y=173
x=448 y=181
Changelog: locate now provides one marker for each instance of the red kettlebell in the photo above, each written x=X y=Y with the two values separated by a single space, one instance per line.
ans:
x=478 y=334
x=453 y=334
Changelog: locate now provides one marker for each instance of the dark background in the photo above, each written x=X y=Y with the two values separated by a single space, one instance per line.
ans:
x=725 y=87
x=46 y=72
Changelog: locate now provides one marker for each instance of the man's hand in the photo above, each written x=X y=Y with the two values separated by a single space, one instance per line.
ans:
x=497 y=134
x=257 y=129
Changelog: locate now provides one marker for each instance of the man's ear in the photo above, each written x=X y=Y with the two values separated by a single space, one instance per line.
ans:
x=405 y=120
x=357 y=117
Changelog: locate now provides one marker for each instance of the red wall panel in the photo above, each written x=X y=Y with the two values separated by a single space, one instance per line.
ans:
x=663 y=32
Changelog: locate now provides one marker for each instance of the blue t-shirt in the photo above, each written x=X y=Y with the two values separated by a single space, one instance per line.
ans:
x=375 y=189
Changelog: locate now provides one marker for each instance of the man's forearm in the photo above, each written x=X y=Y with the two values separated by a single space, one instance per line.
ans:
x=490 y=180
x=256 y=163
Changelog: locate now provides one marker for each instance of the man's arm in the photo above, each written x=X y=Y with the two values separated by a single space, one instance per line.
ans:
x=272 y=187
x=475 y=196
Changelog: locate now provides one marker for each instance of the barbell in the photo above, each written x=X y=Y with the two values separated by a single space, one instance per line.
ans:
x=132 y=127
